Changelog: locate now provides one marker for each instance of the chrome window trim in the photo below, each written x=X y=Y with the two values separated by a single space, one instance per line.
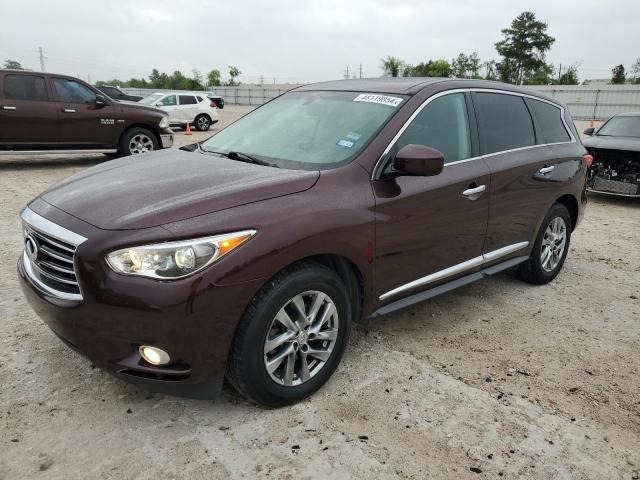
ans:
x=455 y=269
x=375 y=172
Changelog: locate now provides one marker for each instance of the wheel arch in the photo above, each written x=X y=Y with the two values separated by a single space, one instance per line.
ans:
x=571 y=203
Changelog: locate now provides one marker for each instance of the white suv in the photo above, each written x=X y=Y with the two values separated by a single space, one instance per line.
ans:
x=194 y=108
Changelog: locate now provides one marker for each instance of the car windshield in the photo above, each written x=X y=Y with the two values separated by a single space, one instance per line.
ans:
x=308 y=130
x=150 y=99
x=621 y=127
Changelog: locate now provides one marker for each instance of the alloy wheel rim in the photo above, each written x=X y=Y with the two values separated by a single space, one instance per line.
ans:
x=553 y=244
x=203 y=123
x=140 y=144
x=301 y=338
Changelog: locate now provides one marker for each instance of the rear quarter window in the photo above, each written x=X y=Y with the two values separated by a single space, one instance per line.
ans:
x=549 y=125
x=187 y=100
x=504 y=122
x=25 y=87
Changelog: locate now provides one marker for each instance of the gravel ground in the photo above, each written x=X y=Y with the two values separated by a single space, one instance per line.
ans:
x=496 y=380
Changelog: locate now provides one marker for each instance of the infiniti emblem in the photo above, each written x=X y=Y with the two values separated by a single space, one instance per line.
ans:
x=32 y=248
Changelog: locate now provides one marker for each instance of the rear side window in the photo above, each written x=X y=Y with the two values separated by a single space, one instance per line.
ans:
x=443 y=124
x=199 y=98
x=73 y=92
x=187 y=100
x=25 y=87
x=550 y=127
x=504 y=123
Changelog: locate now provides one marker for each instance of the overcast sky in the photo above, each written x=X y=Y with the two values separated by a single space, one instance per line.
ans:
x=300 y=40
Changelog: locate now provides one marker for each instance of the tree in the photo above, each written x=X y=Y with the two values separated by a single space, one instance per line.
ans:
x=618 y=76
x=213 y=78
x=490 y=70
x=466 y=66
x=234 y=72
x=523 y=48
x=569 y=77
x=420 y=70
x=391 y=66
x=12 y=65
x=439 y=68
x=635 y=72
x=155 y=80
x=542 y=76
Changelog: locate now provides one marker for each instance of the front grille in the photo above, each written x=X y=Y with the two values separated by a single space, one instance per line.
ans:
x=615 y=186
x=49 y=256
x=54 y=262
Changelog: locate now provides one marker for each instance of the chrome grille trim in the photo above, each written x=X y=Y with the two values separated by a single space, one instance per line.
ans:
x=53 y=270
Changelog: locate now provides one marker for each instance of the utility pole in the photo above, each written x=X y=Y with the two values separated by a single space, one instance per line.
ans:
x=346 y=75
x=560 y=72
x=261 y=79
x=360 y=70
x=41 y=53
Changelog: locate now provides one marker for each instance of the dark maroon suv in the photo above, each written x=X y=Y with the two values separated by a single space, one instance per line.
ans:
x=251 y=254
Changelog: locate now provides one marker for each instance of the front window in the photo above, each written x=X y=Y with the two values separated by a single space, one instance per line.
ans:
x=151 y=99
x=309 y=130
x=621 y=127
x=73 y=92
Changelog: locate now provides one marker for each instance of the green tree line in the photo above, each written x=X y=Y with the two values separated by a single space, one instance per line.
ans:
x=522 y=52
x=177 y=80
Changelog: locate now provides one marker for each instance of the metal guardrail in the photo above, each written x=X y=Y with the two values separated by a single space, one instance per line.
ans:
x=585 y=102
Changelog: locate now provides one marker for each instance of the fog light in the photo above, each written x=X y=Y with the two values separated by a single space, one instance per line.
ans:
x=153 y=355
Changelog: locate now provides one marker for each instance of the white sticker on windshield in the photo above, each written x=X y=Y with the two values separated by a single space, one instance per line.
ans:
x=381 y=99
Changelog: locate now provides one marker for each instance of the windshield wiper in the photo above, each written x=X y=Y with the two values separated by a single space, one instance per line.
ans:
x=242 y=157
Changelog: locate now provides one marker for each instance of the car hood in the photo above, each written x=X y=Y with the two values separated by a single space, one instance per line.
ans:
x=167 y=186
x=613 y=143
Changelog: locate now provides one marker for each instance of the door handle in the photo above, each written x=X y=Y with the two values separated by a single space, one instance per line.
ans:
x=469 y=192
x=68 y=110
x=7 y=107
x=545 y=170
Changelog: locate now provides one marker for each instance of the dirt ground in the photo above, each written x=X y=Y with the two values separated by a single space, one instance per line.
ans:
x=496 y=380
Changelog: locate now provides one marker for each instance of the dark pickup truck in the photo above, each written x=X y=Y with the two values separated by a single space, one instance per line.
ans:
x=48 y=113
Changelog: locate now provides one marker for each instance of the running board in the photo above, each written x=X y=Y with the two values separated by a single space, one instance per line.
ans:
x=445 y=287
x=55 y=152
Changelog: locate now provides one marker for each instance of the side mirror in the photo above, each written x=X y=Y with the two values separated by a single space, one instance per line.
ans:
x=418 y=160
x=101 y=101
x=589 y=131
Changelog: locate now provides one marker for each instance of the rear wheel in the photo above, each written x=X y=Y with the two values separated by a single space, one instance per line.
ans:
x=291 y=337
x=550 y=249
x=137 y=140
x=203 y=122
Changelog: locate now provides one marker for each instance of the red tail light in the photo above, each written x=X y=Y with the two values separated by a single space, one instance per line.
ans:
x=588 y=159
x=213 y=104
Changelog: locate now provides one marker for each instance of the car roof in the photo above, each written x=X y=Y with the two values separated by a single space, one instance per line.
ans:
x=413 y=85
x=628 y=114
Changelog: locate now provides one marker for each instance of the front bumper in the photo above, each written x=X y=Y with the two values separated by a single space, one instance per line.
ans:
x=192 y=319
x=166 y=140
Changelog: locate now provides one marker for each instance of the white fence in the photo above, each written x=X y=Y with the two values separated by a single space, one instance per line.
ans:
x=585 y=102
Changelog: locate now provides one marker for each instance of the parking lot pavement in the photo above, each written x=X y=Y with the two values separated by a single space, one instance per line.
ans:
x=497 y=378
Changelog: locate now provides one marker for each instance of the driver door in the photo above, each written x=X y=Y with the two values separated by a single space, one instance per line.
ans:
x=431 y=230
x=82 y=123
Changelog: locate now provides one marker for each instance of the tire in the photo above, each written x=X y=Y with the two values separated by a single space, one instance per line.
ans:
x=137 y=140
x=542 y=266
x=202 y=122
x=250 y=353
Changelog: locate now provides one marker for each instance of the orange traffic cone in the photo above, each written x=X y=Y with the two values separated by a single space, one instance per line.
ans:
x=188 y=132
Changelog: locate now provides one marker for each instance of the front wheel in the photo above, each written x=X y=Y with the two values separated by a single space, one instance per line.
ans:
x=550 y=249
x=136 y=141
x=291 y=337
x=203 y=123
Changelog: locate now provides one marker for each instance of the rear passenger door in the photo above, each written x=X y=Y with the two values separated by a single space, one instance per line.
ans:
x=523 y=168
x=188 y=107
x=28 y=117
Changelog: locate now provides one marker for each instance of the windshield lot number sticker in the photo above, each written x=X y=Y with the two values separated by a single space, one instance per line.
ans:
x=345 y=143
x=381 y=99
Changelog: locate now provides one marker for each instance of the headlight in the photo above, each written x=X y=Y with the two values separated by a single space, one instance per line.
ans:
x=173 y=260
x=164 y=123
